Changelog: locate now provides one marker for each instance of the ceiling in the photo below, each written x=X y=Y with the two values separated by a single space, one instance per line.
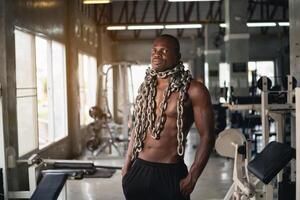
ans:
x=123 y=12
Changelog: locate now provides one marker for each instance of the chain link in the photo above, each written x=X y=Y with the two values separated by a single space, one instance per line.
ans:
x=145 y=106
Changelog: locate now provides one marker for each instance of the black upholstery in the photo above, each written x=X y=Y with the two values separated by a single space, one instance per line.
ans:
x=72 y=165
x=49 y=187
x=268 y=163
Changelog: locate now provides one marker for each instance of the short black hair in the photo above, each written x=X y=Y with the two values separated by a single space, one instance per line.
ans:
x=173 y=39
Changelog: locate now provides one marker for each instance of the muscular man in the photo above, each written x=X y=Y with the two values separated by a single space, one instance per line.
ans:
x=168 y=103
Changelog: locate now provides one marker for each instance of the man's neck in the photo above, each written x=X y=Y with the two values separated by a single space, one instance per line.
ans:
x=163 y=80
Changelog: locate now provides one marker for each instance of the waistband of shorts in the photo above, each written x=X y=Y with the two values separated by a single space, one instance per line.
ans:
x=158 y=164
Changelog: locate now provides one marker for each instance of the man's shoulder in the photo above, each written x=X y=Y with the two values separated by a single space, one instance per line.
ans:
x=197 y=90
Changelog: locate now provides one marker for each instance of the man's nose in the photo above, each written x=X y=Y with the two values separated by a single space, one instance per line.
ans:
x=157 y=53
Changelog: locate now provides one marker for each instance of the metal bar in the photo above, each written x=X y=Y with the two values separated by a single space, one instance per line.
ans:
x=252 y=9
x=264 y=113
x=122 y=12
x=162 y=11
x=133 y=12
x=110 y=14
x=199 y=32
x=158 y=32
x=183 y=11
x=155 y=11
x=210 y=10
x=265 y=129
x=145 y=11
x=165 y=16
x=167 y=12
x=101 y=13
x=137 y=33
x=262 y=15
x=189 y=12
x=219 y=10
x=268 y=10
x=177 y=15
x=198 y=11
x=284 y=12
x=25 y=96
x=273 y=12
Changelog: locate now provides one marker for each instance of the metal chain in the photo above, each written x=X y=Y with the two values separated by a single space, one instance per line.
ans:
x=146 y=105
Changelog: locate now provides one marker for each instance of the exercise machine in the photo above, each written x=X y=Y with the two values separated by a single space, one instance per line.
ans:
x=231 y=143
x=48 y=177
x=101 y=133
x=252 y=180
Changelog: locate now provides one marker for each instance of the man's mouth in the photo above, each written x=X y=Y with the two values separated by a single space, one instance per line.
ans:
x=156 y=61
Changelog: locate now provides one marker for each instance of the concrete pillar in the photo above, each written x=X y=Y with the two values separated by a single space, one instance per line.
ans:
x=294 y=18
x=236 y=45
x=72 y=60
x=198 y=61
x=212 y=58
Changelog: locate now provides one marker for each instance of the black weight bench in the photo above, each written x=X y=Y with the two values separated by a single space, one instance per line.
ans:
x=50 y=186
x=54 y=179
x=273 y=158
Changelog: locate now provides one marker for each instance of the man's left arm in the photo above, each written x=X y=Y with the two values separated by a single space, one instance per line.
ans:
x=204 y=121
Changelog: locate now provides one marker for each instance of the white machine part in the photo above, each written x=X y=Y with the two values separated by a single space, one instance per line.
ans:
x=224 y=143
x=227 y=144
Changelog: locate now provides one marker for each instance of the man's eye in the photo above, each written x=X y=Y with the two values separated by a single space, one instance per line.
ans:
x=161 y=51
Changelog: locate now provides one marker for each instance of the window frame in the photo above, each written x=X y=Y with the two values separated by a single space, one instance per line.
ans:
x=50 y=42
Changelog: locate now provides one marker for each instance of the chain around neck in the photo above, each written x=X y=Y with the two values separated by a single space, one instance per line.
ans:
x=145 y=106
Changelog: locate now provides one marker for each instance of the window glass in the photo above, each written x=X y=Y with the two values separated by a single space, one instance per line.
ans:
x=41 y=91
x=263 y=68
x=59 y=91
x=26 y=92
x=87 y=85
x=224 y=73
x=206 y=75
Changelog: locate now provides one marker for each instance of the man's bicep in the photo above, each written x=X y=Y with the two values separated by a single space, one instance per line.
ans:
x=203 y=111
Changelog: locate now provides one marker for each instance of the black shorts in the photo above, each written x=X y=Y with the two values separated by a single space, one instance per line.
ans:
x=154 y=181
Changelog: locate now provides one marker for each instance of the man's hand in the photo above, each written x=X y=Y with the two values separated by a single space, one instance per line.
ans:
x=124 y=171
x=187 y=185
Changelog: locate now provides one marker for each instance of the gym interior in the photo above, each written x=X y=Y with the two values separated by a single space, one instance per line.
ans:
x=70 y=71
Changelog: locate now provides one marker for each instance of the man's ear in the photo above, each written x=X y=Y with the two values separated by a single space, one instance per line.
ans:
x=179 y=56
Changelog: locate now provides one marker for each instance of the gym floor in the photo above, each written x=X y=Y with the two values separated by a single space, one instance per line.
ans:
x=212 y=185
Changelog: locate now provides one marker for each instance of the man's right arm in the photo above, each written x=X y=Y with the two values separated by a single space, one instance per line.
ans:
x=128 y=161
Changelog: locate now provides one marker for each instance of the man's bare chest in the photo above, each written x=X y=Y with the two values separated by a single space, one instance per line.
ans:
x=171 y=104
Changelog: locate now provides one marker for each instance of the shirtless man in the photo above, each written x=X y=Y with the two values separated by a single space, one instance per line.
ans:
x=168 y=103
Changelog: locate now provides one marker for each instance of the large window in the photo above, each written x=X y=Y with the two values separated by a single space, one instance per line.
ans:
x=206 y=75
x=87 y=86
x=136 y=74
x=41 y=91
x=262 y=68
x=224 y=74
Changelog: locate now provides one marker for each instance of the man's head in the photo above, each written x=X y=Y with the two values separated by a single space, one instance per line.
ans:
x=165 y=53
